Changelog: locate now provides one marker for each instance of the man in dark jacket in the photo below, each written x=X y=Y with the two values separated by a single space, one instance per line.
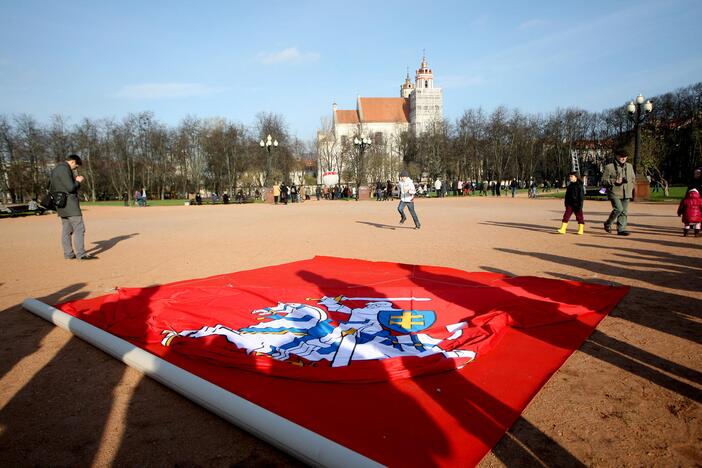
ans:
x=63 y=180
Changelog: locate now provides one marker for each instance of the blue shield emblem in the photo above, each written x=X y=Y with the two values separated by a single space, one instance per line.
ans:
x=407 y=321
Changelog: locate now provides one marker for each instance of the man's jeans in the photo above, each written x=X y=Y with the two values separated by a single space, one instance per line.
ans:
x=73 y=226
x=618 y=215
x=401 y=209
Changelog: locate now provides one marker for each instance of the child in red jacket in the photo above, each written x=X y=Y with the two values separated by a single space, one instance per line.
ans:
x=691 y=211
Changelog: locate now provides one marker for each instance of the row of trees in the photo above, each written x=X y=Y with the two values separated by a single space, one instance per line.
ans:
x=141 y=152
x=507 y=143
x=218 y=155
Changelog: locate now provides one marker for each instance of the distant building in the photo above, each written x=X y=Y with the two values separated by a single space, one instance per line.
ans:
x=383 y=119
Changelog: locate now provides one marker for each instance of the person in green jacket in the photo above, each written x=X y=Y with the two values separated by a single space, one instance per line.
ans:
x=619 y=178
x=62 y=179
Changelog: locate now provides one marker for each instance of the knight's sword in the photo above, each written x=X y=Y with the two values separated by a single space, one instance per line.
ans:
x=388 y=299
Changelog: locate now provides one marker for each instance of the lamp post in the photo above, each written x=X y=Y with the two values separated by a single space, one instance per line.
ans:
x=361 y=144
x=637 y=112
x=269 y=144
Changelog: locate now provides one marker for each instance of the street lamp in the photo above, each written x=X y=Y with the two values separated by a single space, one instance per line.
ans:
x=269 y=144
x=637 y=112
x=360 y=143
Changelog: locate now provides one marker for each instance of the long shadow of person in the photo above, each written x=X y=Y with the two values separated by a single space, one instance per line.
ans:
x=162 y=427
x=382 y=405
x=54 y=413
x=485 y=389
x=682 y=317
x=383 y=226
x=105 y=245
x=25 y=331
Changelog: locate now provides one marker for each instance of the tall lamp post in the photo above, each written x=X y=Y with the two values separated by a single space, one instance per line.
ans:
x=637 y=111
x=361 y=144
x=269 y=144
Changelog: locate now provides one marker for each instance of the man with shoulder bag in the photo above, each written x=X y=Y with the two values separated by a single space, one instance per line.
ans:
x=619 y=178
x=63 y=180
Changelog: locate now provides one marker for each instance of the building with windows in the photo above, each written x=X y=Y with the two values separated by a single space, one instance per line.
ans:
x=382 y=119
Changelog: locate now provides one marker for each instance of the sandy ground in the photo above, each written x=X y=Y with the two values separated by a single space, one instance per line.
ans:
x=630 y=396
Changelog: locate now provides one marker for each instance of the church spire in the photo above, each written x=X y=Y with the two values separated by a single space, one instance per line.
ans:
x=424 y=77
x=407 y=87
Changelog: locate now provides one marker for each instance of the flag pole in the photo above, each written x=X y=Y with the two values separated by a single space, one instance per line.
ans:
x=292 y=438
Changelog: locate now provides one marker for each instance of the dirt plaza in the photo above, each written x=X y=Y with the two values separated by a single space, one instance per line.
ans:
x=630 y=396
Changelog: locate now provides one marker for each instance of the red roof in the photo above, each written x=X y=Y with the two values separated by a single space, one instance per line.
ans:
x=390 y=110
x=395 y=110
x=346 y=117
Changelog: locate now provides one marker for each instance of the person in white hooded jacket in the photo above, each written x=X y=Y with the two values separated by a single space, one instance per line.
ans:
x=407 y=192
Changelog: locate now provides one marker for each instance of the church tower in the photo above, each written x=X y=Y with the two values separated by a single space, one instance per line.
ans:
x=426 y=101
x=424 y=77
x=407 y=87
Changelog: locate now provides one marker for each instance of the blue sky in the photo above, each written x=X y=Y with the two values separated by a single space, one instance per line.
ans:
x=234 y=59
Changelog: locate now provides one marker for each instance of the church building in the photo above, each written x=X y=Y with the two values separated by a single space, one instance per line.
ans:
x=384 y=119
x=419 y=105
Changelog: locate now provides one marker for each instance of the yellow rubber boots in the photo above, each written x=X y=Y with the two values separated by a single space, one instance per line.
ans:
x=562 y=230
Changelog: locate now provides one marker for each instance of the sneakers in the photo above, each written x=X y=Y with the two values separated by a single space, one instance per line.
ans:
x=607 y=228
x=88 y=257
x=402 y=221
x=417 y=226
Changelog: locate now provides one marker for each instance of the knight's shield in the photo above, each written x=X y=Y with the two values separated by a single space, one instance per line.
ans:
x=407 y=321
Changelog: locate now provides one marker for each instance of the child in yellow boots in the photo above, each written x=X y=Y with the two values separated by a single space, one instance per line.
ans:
x=574 y=199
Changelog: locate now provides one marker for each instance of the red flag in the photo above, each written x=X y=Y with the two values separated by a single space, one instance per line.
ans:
x=307 y=329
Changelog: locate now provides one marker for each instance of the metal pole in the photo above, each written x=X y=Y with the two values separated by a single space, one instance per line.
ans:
x=268 y=165
x=637 y=140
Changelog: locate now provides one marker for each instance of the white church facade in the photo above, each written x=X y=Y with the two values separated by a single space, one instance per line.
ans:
x=383 y=119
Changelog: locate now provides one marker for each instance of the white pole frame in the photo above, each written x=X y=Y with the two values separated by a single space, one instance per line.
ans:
x=292 y=438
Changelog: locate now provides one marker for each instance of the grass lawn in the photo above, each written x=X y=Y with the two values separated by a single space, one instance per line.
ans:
x=121 y=203
x=178 y=202
x=676 y=193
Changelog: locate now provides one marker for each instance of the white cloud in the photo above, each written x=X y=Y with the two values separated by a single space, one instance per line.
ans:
x=289 y=55
x=166 y=91
x=532 y=24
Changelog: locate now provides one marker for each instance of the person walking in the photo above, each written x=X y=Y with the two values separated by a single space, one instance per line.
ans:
x=532 y=189
x=407 y=192
x=696 y=180
x=574 y=199
x=690 y=209
x=378 y=190
x=619 y=179
x=62 y=179
x=284 y=193
x=276 y=192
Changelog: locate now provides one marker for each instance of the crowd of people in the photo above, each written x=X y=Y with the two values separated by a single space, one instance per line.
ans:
x=225 y=199
x=618 y=181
